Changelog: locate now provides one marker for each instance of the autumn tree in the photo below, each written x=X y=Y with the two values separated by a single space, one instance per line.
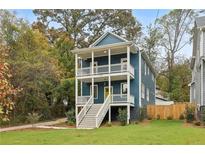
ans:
x=7 y=90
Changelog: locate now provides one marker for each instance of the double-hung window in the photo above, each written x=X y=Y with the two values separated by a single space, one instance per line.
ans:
x=147 y=95
x=143 y=91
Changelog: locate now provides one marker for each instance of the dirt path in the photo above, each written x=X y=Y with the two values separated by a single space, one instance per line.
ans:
x=34 y=125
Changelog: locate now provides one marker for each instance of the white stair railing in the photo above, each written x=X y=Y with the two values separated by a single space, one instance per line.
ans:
x=102 y=112
x=84 y=110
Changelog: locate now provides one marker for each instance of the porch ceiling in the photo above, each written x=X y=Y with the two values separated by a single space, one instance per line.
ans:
x=102 y=79
x=104 y=52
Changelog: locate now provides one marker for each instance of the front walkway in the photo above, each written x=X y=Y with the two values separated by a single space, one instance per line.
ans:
x=49 y=123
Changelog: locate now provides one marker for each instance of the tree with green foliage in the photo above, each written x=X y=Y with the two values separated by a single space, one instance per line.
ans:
x=176 y=29
x=85 y=26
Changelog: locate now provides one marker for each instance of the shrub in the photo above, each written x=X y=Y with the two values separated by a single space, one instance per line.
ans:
x=197 y=123
x=169 y=118
x=136 y=122
x=189 y=114
x=122 y=116
x=70 y=117
x=203 y=115
x=143 y=113
x=149 y=118
x=33 y=117
x=158 y=117
x=181 y=117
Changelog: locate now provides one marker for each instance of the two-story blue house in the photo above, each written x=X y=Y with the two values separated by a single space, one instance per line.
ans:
x=113 y=72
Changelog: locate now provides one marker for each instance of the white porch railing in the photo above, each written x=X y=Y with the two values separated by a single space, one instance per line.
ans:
x=84 y=110
x=121 y=98
x=82 y=100
x=102 y=112
x=104 y=69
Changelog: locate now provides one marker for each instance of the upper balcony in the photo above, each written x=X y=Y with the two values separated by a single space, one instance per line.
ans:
x=104 y=69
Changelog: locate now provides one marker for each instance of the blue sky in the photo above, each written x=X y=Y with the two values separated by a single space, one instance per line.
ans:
x=144 y=16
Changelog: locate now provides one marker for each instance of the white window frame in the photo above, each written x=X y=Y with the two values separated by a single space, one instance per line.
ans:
x=147 y=95
x=122 y=88
x=95 y=64
x=142 y=91
x=95 y=85
x=122 y=61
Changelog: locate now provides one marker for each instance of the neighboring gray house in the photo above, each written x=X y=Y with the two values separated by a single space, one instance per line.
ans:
x=111 y=73
x=197 y=85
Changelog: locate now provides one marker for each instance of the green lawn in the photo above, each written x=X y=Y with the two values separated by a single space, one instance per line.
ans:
x=156 y=132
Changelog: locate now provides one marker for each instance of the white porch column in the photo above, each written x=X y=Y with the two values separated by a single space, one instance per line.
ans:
x=128 y=58
x=92 y=88
x=140 y=78
x=76 y=88
x=202 y=84
x=109 y=115
x=109 y=61
x=92 y=63
x=128 y=84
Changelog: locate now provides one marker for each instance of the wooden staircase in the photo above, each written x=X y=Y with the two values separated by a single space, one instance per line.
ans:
x=89 y=120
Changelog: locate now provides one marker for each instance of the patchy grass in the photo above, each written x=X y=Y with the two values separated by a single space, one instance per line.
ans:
x=155 y=132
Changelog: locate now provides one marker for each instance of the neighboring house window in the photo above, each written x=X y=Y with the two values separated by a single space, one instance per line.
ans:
x=145 y=68
x=95 y=91
x=123 y=88
x=152 y=76
x=148 y=70
x=143 y=91
x=147 y=94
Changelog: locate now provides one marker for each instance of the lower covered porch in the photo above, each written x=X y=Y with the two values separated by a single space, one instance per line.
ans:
x=119 y=96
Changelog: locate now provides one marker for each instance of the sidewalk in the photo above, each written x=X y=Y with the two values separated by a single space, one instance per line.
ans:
x=33 y=125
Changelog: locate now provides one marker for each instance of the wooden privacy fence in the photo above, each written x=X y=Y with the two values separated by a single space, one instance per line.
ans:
x=165 y=111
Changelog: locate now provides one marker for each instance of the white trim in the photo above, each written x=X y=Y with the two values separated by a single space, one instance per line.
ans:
x=123 y=59
x=105 y=75
x=95 y=85
x=95 y=67
x=103 y=47
x=109 y=61
x=104 y=35
x=140 y=79
x=92 y=62
x=122 y=88
x=108 y=88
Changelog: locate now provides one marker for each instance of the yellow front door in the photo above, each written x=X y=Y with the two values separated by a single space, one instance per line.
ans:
x=106 y=92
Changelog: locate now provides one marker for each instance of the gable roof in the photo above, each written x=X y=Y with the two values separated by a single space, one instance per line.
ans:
x=108 y=38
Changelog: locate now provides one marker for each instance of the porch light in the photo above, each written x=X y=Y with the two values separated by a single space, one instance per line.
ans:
x=105 y=51
x=79 y=57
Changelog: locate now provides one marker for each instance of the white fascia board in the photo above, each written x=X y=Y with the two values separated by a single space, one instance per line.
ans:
x=103 y=47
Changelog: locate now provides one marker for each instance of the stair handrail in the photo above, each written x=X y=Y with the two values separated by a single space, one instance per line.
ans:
x=84 y=110
x=102 y=112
